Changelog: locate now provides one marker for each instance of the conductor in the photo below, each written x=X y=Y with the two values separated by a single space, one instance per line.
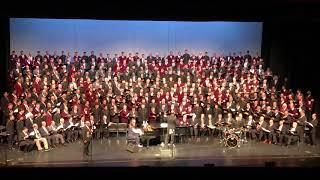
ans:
x=87 y=136
x=172 y=122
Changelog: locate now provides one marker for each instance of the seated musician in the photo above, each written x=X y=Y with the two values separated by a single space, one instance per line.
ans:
x=280 y=133
x=69 y=128
x=238 y=125
x=53 y=131
x=292 y=134
x=134 y=133
x=210 y=125
x=62 y=129
x=103 y=128
x=81 y=125
x=25 y=142
x=38 y=139
x=261 y=129
x=220 y=125
x=46 y=134
x=271 y=128
x=230 y=121
x=239 y=122
x=250 y=127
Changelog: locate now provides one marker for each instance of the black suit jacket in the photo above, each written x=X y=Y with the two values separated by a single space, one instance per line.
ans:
x=43 y=133
x=29 y=123
x=314 y=123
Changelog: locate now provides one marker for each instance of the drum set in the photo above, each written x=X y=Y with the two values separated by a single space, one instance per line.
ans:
x=233 y=138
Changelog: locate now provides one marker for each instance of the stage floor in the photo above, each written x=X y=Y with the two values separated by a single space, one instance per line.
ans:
x=207 y=152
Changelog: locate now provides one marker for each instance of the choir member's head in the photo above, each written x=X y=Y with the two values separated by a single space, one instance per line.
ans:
x=35 y=126
x=294 y=124
x=220 y=116
x=271 y=122
x=143 y=105
x=268 y=108
x=25 y=130
x=104 y=118
x=314 y=116
x=11 y=118
x=43 y=124
x=261 y=119
x=250 y=118
x=87 y=123
x=61 y=121
x=281 y=122
x=132 y=123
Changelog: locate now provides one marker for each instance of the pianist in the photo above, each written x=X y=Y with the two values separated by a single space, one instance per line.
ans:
x=134 y=133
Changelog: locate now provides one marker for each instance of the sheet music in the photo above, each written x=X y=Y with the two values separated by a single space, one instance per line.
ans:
x=164 y=125
x=266 y=130
x=32 y=133
x=59 y=127
x=309 y=124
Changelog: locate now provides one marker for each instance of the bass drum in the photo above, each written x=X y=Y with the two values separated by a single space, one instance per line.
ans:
x=232 y=141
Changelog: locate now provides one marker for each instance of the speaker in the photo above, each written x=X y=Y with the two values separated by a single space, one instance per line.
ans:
x=132 y=148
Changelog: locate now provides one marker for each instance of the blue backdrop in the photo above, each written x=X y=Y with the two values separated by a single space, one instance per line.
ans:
x=114 y=36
